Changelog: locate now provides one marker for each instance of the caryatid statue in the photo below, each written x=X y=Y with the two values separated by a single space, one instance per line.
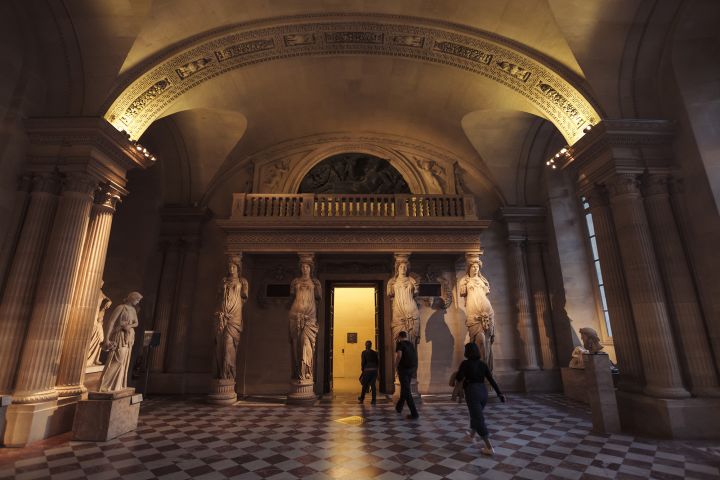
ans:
x=403 y=289
x=307 y=292
x=478 y=311
x=120 y=341
x=234 y=293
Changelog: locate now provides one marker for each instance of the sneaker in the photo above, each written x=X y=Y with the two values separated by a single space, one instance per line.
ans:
x=471 y=436
x=488 y=451
x=412 y=417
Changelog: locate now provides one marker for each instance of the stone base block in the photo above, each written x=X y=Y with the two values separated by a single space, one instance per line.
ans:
x=601 y=393
x=104 y=416
x=5 y=401
x=540 y=381
x=27 y=423
x=573 y=383
x=509 y=380
x=688 y=418
x=301 y=393
x=222 y=392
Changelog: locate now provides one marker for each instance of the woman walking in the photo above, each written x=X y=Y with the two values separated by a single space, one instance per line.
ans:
x=473 y=372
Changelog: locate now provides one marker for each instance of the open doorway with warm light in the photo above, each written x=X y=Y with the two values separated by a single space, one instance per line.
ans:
x=354 y=319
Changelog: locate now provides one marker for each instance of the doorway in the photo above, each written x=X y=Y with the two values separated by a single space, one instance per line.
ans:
x=355 y=317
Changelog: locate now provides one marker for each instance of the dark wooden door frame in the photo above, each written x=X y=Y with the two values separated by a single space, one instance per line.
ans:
x=330 y=285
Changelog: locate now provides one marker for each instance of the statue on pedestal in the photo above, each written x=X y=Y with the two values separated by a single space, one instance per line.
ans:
x=120 y=340
x=98 y=334
x=234 y=292
x=303 y=320
x=478 y=311
x=591 y=344
x=403 y=289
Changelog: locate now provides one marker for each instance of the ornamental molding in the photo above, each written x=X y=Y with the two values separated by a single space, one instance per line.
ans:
x=380 y=241
x=150 y=88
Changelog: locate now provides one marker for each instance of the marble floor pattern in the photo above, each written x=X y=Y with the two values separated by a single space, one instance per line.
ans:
x=536 y=437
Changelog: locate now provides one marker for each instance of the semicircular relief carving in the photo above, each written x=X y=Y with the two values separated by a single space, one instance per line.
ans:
x=354 y=173
x=152 y=87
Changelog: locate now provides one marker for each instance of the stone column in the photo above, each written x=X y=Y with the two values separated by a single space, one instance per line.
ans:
x=616 y=292
x=528 y=349
x=38 y=365
x=543 y=314
x=652 y=322
x=85 y=298
x=682 y=299
x=177 y=351
x=18 y=293
x=165 y=302
x=22 y=198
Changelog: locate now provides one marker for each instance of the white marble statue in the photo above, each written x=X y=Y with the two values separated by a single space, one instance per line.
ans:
x=234 y=292
x=98 y=334
x=119 y=344
x=403 y=289
x=303 y=320
x=479 y=315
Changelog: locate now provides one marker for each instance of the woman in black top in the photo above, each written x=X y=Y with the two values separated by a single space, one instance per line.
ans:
x=472 y=373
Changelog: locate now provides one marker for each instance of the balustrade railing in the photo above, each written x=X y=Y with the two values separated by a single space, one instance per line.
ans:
x=353 y=206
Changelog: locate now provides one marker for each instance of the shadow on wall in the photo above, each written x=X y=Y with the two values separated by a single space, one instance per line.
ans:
x=443 y=345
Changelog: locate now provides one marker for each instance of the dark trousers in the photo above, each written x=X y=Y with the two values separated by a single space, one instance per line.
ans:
x=405 y=376
x=476 y=396
x=368 y=382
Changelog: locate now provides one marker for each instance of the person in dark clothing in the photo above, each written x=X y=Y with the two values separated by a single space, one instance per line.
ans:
x=369 y=362
x=473 y=372
x=406 y=362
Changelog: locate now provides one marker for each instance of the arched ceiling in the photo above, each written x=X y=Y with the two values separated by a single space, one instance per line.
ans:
x=517 y=74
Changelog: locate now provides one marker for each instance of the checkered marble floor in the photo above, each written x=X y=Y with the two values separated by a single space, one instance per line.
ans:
x=535 y=437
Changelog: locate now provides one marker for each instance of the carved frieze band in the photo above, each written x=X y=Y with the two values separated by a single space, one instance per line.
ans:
x=142 y=101
x=266 y=241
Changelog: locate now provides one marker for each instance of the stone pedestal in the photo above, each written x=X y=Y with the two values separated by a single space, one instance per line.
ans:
x=301 y=392
x=222 y=392
x=601 y=393
x=541 y=381
x=573 y=380
x=29 y=422
x=104 y=416
x=690 y=418
x=5 y=401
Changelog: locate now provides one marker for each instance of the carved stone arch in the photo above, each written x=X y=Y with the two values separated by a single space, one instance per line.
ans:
x=547 y=87
x=398 y=161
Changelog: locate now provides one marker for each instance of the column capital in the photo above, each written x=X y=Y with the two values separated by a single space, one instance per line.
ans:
x=621 y=146
x=79 y=182
x=526 y=223
x=625 y=184
x=108 y=196
x=596 y=195
x=83 y=144
x=46 y=182
x=655 y=185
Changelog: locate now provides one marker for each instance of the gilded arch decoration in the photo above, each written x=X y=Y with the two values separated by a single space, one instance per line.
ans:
x=159 y=81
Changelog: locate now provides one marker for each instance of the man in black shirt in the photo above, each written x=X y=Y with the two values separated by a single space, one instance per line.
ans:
x=369 y=363
x=407 y=362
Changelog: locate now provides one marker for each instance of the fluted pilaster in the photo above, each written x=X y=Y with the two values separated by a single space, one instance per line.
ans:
x=17 y=215
x=543 y=314
x=39 y=362
x=18 y=293
x=652 y=322
x=682 y=299
x=165 y=302
x=177 y=352
x=528 y=349
x=85 y=297
x=616 y=293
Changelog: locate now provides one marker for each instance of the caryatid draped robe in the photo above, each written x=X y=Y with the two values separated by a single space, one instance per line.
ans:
x=479 y=314
x=230 y=326
x=405 y=313
x=304 y=326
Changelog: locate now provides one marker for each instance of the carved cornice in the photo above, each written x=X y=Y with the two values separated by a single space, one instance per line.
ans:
x=154 y=85
x=82 y=144
x=366 y=240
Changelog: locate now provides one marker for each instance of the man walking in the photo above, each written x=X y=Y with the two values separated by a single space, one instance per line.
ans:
x=407 y=362
x=369 y=362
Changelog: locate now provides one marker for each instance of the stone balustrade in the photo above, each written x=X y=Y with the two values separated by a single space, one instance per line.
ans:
x=336 y=207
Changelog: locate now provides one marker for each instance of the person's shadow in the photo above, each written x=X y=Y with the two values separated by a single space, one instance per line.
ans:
x=437 y=332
